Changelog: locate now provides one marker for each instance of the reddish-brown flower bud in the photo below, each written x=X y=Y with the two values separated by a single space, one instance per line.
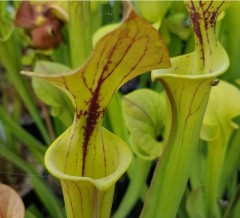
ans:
x=48 y=35
x=25 y=16
x=44 y=26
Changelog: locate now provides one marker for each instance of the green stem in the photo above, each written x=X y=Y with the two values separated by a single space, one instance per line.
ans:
x=188 y=99
x=116 y=10
x=230 y=37
x=214 y=162
x=115 y=115
x=232 y=205
x=137 y=181
x=198 y=168
x=80 y=33
x=231 y=161
x=216 y=152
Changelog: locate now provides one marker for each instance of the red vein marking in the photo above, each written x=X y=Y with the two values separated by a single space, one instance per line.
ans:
x=95 y=72
x=69 y=146
x=181 y=91
x=186 y=120
x=92 y=117
x=214 y=18
x=195 y=17
x=69 y=197
x=103 y=203
x=95 y=153
x=209 y=6
x=133 y=40
x=134 y=67
x=117 y=153
x=94 y=106
x=81 y=200
x=104 y=155
x=95 y=203
x=85 y=82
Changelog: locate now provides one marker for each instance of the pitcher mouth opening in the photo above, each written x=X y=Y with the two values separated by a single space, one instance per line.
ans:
x=100 y=183
x=122 y=161
x=179 y=69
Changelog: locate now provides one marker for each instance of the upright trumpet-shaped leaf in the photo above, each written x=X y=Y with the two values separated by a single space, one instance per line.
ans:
x=224 y=105
x=187 y=84
x=87 y=158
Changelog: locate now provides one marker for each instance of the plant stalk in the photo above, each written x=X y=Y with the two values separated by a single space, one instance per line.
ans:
x=188 y=100
x=80 y=31
x=141 y=171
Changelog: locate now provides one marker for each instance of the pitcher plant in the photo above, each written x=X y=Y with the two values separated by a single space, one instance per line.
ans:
x=187 y=84
x=87 y=158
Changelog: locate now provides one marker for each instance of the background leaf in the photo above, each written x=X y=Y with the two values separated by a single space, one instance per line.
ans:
x=11 y=205
x=144 y=112
x=6 y=25
x=49 y=94
x=195 y=204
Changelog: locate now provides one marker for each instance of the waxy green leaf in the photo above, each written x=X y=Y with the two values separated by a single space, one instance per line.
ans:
x=195 y=204
x=87 y=158
x=50 y=94
x=133 y=48
x=224 y=105
x=145 y=115
x=153 y=11
x=204 y=16
x=177 y=24
x=187 y=84
x=6 y=25
x=230 y=38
